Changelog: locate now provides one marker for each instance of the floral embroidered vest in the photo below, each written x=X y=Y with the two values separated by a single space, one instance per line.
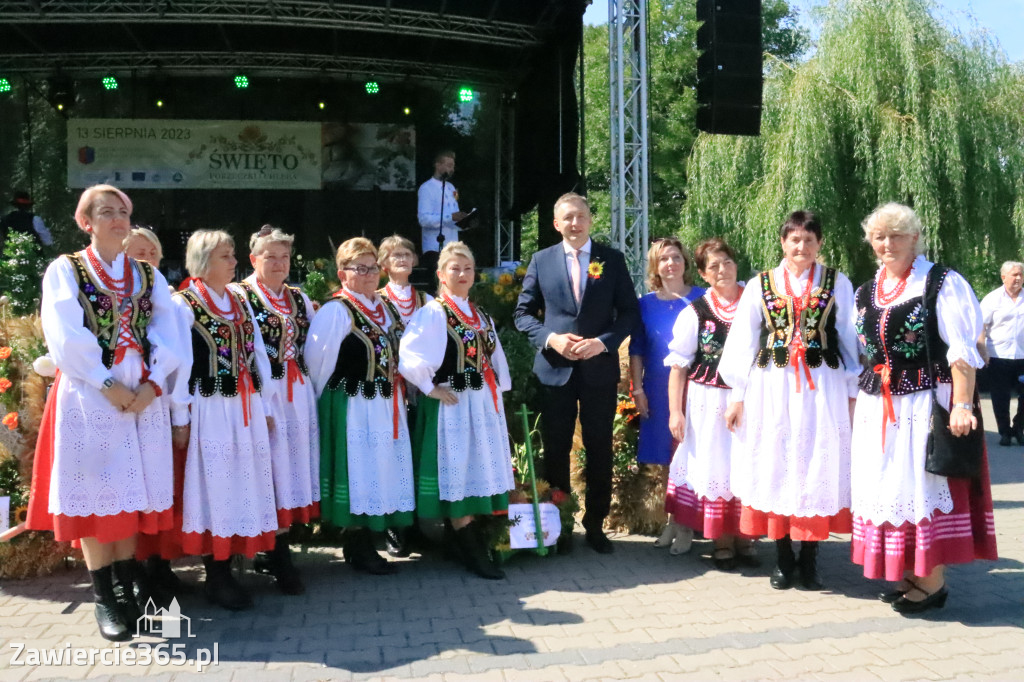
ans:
x=710 y=341
x=220 y=349
x=467 y=348
x=272 y=327
x=895 y=336
x=98 y=305
x=368 y=357
x=817 y=324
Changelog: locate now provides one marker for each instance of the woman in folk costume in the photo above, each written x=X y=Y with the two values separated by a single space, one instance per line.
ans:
x=397 y=257
x=908 y=524
x=452 y=354
x=103 y=460
x=366 y=479
x=283 y=314
x=157 y=549
x=223 y=415
x=700 y=495
x=791 y=360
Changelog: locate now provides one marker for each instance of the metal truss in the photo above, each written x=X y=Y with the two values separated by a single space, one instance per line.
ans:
x=276 y=13
x=504 y=182
x=266 y=63
x=627 y=63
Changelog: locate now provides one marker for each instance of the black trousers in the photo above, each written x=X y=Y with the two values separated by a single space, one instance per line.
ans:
x=595 y=406
x=1003 y=382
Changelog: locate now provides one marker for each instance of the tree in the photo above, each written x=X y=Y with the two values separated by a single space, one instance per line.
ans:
x=672 y=106
x=893 y=106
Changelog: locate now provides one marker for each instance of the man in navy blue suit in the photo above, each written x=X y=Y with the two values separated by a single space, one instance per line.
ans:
x=577 y=307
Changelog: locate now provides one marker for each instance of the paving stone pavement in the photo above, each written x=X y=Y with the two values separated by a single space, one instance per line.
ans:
x=639 y=614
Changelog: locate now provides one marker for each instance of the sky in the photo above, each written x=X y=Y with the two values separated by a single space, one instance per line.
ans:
x=1003 y=19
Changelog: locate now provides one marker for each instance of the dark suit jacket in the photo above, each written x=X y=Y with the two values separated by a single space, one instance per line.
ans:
x=608 y=312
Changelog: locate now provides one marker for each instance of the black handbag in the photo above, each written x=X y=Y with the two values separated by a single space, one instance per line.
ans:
x=946 y=454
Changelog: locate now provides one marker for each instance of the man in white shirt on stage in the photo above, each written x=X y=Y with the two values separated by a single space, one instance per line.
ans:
x=438 y=207
x=1003 y=313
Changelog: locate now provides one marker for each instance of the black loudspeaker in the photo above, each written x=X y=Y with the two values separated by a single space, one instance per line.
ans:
x=729 y=76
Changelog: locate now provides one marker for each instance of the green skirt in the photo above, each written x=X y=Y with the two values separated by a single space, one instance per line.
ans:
x=332 y=409
x=429 y=504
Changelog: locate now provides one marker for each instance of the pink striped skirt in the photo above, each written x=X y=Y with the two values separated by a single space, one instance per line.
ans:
x=966 y=533
x=713 y=518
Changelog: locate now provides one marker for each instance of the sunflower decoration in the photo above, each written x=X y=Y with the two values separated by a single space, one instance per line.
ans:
x=595 y=269
x=20 y=514
x=505 y=279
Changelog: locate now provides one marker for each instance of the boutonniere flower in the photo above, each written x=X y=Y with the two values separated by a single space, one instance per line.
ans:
x=595 y=269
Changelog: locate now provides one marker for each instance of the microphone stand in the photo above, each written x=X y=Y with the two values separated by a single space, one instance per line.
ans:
x=440 y=221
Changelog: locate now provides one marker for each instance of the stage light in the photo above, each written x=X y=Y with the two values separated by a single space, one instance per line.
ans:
x=406 y=111
x=5 y=85
x=159 y=103
x=372 y=87
x=466 y=95
x=241 y=81
x=62 y=93
x=109 y=83
x=322 y=104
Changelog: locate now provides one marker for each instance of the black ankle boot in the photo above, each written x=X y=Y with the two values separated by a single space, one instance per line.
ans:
x=163 y=585
x=359 y=551
x=808 y=564
x=221 y=587
x=278 y=563
x=785 y=565
x=108 y=615
x=397 y=542
x=125 y=578
x=476 y=554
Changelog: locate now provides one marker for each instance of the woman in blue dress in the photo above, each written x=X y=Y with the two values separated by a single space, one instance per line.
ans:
x=669 y=281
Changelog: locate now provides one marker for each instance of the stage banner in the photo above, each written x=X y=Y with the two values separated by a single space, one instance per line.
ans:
x=364 y=156
x=180 y=154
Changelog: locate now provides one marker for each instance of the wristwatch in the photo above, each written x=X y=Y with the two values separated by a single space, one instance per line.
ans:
x=964 y=406
x=108 y=383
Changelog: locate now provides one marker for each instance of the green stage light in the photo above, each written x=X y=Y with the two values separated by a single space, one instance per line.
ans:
x=241 y=82
x=5 y=85
x=407 y=111
x=322 y=105
x=159 y=103
x=372 y=87
x=466 y=94
x=109 y=83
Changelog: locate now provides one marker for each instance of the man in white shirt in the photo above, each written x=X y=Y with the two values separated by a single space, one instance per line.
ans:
x=1003 y=312
x=438 y=205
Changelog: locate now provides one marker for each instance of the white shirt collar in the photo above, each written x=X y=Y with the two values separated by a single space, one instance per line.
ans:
x=583 y=249
x=368 y=301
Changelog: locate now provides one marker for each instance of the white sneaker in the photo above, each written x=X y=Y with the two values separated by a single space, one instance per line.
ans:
x=683 y=541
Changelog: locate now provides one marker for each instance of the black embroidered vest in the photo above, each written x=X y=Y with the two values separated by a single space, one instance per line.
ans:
x=368 y=357
x=466 y=350
x=102 y=319
x=895 y=336
x=710 y=341
x=220 y=349
x=817 y=323
x=272 y=327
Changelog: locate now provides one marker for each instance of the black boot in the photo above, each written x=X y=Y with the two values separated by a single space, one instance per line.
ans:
x=809 y=566
x=221 y=587
x=108 y=615
x=278 y=563
x=476 y=554
x=397 y=542
x=164 y=585
x=785 y=565
x=359 y=551
x=125 y=580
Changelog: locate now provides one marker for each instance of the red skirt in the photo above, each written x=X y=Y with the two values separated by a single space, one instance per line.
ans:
x=224 y=547
x=713 y=518
x=106 y=528
x=286 y=517
x=966 y=533
x=167 y=543
x=776 y=527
